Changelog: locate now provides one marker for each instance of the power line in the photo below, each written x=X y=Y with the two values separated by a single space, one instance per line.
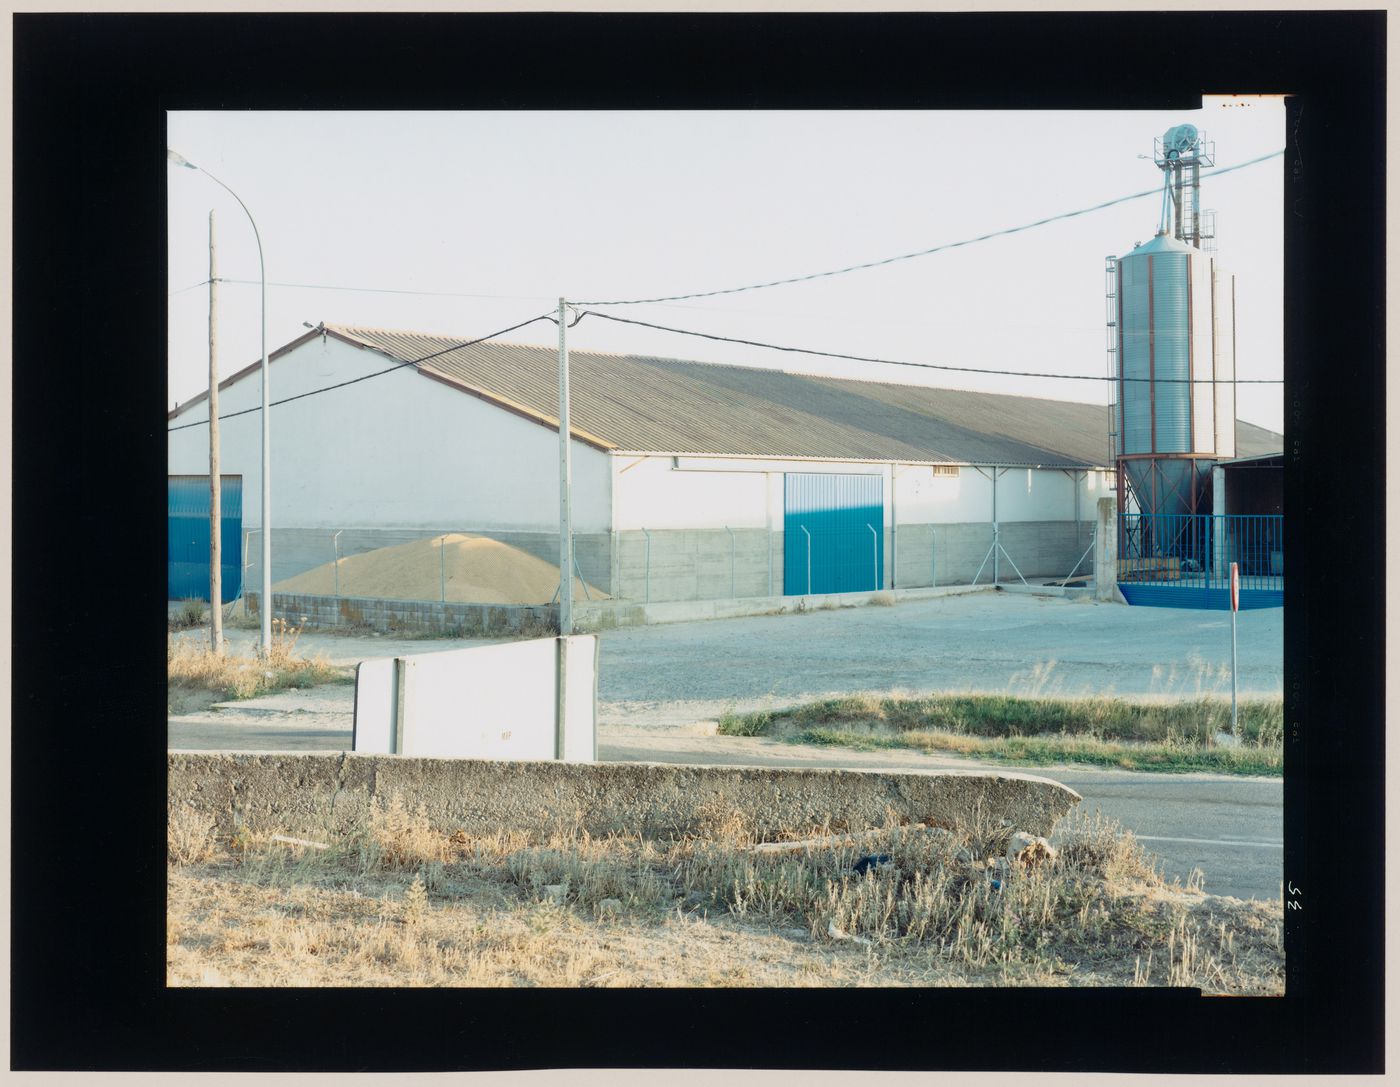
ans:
x=364 y=377
x=1155 y=191
x=393 y=290
x=927 y=365
x=368 y=290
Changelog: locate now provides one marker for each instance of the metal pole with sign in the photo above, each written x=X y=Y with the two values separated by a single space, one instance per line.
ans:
x=1234 y=649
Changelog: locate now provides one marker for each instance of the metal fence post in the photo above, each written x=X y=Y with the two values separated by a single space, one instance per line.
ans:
x=729 y=530
x=442 y=569
x=933 y=558
x=335 y=543
x=770 y=562
x=875 y=553
x=647 y=599
x=247 y=565
x=809 y=557
x=586 y=594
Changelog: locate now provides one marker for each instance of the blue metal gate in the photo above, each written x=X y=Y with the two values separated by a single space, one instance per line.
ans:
x=187 y=554
x=1183 y=560
x=833 y=533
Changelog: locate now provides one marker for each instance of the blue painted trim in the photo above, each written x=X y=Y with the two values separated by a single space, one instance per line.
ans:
x=1186 y=596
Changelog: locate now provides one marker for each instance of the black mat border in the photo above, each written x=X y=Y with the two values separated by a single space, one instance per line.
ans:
x=89 y=454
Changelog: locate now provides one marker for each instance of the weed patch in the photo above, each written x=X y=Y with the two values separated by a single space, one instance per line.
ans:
x=397 y=903
x=193 y=665
x=1166 y=737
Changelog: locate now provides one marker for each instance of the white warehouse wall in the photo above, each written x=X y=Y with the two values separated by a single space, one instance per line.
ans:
x=398 y=451
x=652 y=493
x=1023 y=494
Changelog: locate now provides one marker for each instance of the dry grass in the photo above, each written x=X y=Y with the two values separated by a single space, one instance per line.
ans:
x=398 y=903
x=192 y=665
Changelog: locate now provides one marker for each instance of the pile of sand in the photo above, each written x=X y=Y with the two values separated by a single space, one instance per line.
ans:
x=474 y=570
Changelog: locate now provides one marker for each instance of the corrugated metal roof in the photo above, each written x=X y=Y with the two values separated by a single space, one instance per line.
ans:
x=641 y=404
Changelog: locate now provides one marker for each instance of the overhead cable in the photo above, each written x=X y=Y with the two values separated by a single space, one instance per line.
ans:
x=1156 y=190
x=928 y=365
x=364 y=377
x=364 y=290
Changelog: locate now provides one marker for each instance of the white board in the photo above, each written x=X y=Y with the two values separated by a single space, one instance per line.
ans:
x=376 y=710
x=487 y=702
x=579 y=741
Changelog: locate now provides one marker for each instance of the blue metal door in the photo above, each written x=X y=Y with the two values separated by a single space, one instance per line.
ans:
x=187 y=563
x=833 y=533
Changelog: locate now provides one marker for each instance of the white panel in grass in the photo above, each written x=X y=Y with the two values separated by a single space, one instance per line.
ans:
x=488 y=702
x=376 y=707
x=579 y=728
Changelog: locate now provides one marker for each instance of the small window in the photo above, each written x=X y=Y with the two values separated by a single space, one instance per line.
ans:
x=945 y=470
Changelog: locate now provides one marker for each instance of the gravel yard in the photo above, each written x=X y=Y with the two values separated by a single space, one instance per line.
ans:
x=661 y=689
x=996 y=643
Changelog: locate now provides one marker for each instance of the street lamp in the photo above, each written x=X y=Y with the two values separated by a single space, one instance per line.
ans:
x=265 y=601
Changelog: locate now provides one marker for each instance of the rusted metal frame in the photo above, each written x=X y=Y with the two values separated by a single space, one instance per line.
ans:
x=1190 y=363
x=1119 y=475
x=1152 y=354
x=1214 y=363
x=1234 y=372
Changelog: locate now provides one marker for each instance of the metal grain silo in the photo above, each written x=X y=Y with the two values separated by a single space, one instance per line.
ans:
x=1171 y=317
x=1175 y=394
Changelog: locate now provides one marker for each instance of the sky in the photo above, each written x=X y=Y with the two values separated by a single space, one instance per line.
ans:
x=493 y=216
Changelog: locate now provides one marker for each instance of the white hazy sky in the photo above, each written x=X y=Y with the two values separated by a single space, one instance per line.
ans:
x=516 y=209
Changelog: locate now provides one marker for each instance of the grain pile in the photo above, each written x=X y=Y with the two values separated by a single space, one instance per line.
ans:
x=474 y=570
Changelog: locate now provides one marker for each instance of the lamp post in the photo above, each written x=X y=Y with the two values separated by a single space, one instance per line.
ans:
x=265 y=600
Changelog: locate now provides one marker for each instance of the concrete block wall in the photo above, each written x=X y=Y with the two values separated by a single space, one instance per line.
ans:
x=1038 y=548
x=694 y=564
x=1042 y=549
x=423 y=616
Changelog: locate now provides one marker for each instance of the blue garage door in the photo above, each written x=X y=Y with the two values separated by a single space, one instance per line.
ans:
x=842 y=549
x=187 y=564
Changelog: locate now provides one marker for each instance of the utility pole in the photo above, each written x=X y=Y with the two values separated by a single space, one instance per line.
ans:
x=216 y=581
x=566 y=536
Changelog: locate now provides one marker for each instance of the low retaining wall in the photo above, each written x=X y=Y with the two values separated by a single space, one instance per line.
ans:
x=331 y=793
x=427 y=616
x=540 y=620
x=610 y=614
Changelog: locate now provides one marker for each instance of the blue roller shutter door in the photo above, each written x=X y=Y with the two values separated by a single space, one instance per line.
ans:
x=845 y=518
x=187 y=561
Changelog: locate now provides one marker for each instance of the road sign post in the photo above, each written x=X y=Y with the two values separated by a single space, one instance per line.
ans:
x=1234 y=649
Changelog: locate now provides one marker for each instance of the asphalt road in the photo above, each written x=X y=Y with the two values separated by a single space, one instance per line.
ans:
x=657 y=683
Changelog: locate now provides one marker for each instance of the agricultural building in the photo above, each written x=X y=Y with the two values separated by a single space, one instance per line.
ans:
x=690 y=480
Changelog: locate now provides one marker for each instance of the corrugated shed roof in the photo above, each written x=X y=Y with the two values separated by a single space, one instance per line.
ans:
x=643 y=404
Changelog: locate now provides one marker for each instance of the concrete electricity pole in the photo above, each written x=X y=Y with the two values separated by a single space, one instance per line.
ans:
x=216 y=581
x=566 y=536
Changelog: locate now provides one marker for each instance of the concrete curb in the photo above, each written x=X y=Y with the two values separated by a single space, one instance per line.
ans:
x=307 y=794
x=613 y=614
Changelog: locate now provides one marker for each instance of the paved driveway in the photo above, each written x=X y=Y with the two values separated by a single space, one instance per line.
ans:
x=999 y=643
